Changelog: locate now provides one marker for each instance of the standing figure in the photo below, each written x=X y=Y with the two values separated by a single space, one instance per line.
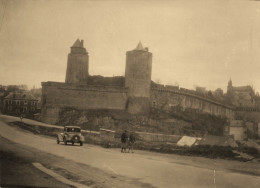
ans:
x=131 y=142
x=21 y=117
x=124 y=139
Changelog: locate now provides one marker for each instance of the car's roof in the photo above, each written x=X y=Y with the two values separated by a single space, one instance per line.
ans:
x=72 y=127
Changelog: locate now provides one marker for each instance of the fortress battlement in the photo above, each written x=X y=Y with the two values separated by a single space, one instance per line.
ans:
x=85 y=87
x=191 y=94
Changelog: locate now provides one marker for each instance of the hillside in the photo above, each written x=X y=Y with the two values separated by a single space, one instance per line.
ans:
x=175 y=121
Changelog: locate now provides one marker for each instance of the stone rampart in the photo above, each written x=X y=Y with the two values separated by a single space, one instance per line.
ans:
x=62 y=95
x=57 y=96
x=191 y=93
x=166 y=98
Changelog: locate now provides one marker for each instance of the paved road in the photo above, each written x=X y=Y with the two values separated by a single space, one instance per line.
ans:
x=146 y=169
x=19 y=172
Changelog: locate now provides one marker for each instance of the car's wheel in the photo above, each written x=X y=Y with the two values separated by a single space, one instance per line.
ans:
x=75 y=139
x=81 y=143
x=58 y=141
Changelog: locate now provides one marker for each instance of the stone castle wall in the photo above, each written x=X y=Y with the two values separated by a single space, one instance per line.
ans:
x=166 y=99
x=61 y=95
x=56 y=96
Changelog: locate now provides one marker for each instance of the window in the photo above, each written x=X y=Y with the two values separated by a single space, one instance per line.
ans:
x=17 y=102
x=33 y=109
x=25 y=102
x=73 y=130
x=24 y=109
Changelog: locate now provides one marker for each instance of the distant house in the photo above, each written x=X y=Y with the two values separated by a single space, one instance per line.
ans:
x=201 y=90
x=18 y=103
x=241 y=96
x=1 y=100
x=3 y=93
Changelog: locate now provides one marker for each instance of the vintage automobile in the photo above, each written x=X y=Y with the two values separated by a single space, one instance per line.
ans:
x=71 y=134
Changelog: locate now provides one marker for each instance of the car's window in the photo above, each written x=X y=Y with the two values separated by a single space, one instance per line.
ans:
x=73 y=130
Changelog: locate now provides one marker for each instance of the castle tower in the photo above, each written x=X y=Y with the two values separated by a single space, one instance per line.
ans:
x=138 y=79
x=138 y=71
x=77 y=65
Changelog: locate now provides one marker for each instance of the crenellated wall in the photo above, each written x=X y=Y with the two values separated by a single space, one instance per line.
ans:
x=61 y=95
x=57 y=95
x=165 y=99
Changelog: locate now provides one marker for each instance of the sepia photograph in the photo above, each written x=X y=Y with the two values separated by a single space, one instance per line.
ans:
x=129 y=93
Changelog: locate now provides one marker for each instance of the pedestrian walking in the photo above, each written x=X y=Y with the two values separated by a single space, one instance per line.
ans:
x=124 y=139
x=131 y=142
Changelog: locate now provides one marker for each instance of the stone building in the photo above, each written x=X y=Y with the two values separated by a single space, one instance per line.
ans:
x=241 y=96
x=218 y=93
x=134 y=94
x=201 y=90
x=20 y=103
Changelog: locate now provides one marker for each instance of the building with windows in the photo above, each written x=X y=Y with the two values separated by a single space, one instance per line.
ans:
x=241 y=96
x=18 y=103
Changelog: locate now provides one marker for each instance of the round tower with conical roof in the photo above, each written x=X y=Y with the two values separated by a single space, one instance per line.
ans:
x=138 y=71
x=77 y=65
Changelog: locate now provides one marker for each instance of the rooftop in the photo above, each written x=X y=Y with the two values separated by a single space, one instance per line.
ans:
x=78 y=44
x=20 y=95
x=140 y=47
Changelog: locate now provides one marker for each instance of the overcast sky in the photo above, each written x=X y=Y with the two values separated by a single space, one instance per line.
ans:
x=194 y=43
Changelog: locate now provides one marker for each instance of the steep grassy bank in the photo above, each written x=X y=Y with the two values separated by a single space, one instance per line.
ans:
x=175 y=121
